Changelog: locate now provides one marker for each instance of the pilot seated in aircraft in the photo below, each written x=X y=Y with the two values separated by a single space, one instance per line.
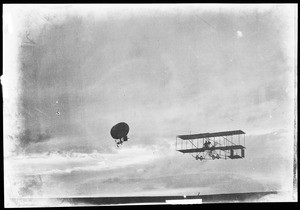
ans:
x=206 y=144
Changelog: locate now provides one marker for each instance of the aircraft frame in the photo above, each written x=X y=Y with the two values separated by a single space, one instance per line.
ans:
x=211 y=146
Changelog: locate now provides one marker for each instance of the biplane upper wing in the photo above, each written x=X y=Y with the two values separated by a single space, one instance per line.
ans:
x=208 y=135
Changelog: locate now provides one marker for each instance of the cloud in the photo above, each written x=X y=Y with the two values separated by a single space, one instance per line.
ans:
x=204 y=182
x=31 y=185
x=32 y=137
x=70 y=161
x=148 y=170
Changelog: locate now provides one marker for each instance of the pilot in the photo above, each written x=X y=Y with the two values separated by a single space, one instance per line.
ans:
x=206 y=144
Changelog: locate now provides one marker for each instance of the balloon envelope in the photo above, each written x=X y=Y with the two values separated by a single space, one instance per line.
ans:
x=119 y=130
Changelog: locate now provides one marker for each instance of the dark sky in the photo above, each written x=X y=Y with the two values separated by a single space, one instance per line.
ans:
x=165 y=71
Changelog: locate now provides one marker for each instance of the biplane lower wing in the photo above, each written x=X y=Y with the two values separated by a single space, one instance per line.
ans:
x=233 y=147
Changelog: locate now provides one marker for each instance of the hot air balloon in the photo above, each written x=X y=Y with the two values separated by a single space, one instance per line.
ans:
x=119 y=132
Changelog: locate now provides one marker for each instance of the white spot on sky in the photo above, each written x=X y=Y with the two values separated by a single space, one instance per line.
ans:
x=239 y=34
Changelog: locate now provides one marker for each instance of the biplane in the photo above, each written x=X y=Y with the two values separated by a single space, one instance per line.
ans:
x=211 y=146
